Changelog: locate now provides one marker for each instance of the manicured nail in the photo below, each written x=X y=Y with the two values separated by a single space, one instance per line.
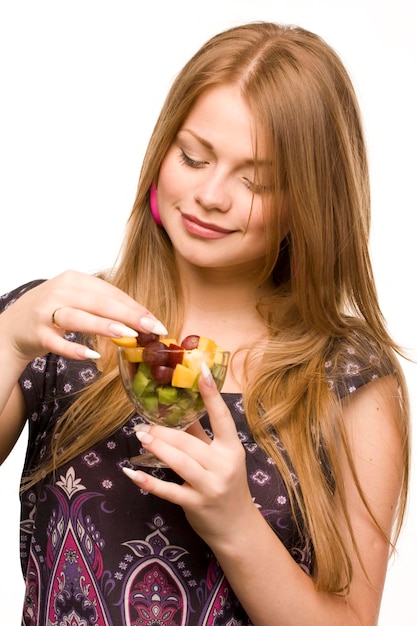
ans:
x=129 y=472
x=207 y=375
x=120 y=330
x=87 y=353
x=151 y=325
x=142 y=427
x=144 y=437
x=137 y=476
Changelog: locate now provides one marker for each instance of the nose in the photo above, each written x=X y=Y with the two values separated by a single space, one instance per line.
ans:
x=213 y=193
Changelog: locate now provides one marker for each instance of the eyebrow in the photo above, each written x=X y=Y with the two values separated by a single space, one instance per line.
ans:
x=210 y=146
x=203 y=141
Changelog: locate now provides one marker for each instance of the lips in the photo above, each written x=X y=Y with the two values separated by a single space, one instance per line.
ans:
x=202 y=229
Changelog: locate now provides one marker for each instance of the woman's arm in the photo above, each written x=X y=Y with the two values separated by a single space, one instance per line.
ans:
x=12 y=408
x=216 y=499
x=84 y=304
x=12 y=423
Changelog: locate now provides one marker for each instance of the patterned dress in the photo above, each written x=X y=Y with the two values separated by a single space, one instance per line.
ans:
x=97 y=550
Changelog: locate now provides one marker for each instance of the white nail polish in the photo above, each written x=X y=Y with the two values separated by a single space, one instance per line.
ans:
x=151 y=325
x=120 y=330
x=144 y=437
x=136 y=475
x=86 y=353
x=129 y=472
x=142 y=427
x=207 y=375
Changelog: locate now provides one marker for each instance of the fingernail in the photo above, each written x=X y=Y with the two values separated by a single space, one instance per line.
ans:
x=136 y=475
x=120 y=330
x=87 y=353
x=142 y=427
x=151 y=325
x=144 y=437
x=129 y=472
x=207 y=375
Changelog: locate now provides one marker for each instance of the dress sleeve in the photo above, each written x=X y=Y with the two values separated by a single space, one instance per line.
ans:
x=10 y=297
x=355 y=363
x=48 y=384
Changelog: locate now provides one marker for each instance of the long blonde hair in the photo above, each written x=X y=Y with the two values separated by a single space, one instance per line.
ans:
x=301 y=95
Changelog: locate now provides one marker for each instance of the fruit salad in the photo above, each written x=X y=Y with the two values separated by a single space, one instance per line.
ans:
x=161 y=375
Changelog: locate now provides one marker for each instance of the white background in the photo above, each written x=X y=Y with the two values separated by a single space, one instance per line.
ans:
x=81 y=85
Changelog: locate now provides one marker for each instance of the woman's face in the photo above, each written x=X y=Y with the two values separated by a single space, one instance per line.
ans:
x=209 y=203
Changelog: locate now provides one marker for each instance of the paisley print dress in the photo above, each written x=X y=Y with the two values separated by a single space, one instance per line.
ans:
x=97 y=550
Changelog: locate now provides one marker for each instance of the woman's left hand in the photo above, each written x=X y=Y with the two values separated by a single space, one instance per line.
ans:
x=215 y=488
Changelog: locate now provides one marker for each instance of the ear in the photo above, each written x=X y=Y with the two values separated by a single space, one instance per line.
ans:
x=153 y=203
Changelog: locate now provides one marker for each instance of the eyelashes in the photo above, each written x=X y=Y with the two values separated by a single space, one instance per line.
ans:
x=256 y=188
x=186 y=160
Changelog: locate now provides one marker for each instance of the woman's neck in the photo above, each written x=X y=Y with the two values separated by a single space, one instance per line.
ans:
x=220 y=302
x=225 y=311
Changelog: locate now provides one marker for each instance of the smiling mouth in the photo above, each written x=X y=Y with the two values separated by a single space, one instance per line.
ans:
x=203 y=229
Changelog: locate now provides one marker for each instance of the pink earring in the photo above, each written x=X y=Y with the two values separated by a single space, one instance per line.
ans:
x=153 y=202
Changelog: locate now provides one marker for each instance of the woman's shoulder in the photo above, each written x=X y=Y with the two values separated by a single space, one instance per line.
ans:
x=356 y=359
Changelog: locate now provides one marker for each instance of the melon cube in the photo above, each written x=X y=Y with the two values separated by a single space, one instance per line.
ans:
x=139 y=383
x=167 y=395
x=206 y=345
x=183 y=376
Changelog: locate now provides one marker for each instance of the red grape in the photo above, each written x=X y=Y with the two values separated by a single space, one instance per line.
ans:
x=155 y=353
x=190 y=342
x=162 y=374
x=144 y=338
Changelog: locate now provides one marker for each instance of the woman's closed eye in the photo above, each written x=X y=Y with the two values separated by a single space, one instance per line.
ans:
x=187 y=160
x=256 y=187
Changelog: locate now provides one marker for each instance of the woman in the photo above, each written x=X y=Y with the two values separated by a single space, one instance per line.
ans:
x=281 y=507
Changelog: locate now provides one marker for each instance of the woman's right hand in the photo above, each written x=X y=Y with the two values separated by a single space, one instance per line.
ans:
x=37 y=322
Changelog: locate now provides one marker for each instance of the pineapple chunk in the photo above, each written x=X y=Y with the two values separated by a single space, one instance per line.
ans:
x=168 y=340
x=183 y=376
x=125 y=342
x=194 y=358
x=206 y=345
x=135 y=355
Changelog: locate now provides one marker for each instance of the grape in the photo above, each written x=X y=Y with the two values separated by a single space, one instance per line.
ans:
x=155 y=353
x=190 y=342
x=161 y=374
x=144 y=338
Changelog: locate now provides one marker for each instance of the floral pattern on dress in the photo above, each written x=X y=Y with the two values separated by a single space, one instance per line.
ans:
x=96 y=549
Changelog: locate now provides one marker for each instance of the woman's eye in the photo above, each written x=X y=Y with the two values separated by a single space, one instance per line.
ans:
x=186 y=160
x=255 y=188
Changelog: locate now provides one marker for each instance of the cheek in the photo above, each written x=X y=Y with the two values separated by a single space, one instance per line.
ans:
x=257 y=222
x=169 y=189
x=169 y=175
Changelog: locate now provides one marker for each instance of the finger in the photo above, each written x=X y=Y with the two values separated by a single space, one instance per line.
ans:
x=99 y=298
x=70 y=349
x=196 y=430
x=74 y=319
x=182 y=463
x=177 y=494
x=221 y=420
x=182 y=452
x=115 y=318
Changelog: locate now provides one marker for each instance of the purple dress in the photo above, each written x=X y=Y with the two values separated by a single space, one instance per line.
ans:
x=97 y=550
